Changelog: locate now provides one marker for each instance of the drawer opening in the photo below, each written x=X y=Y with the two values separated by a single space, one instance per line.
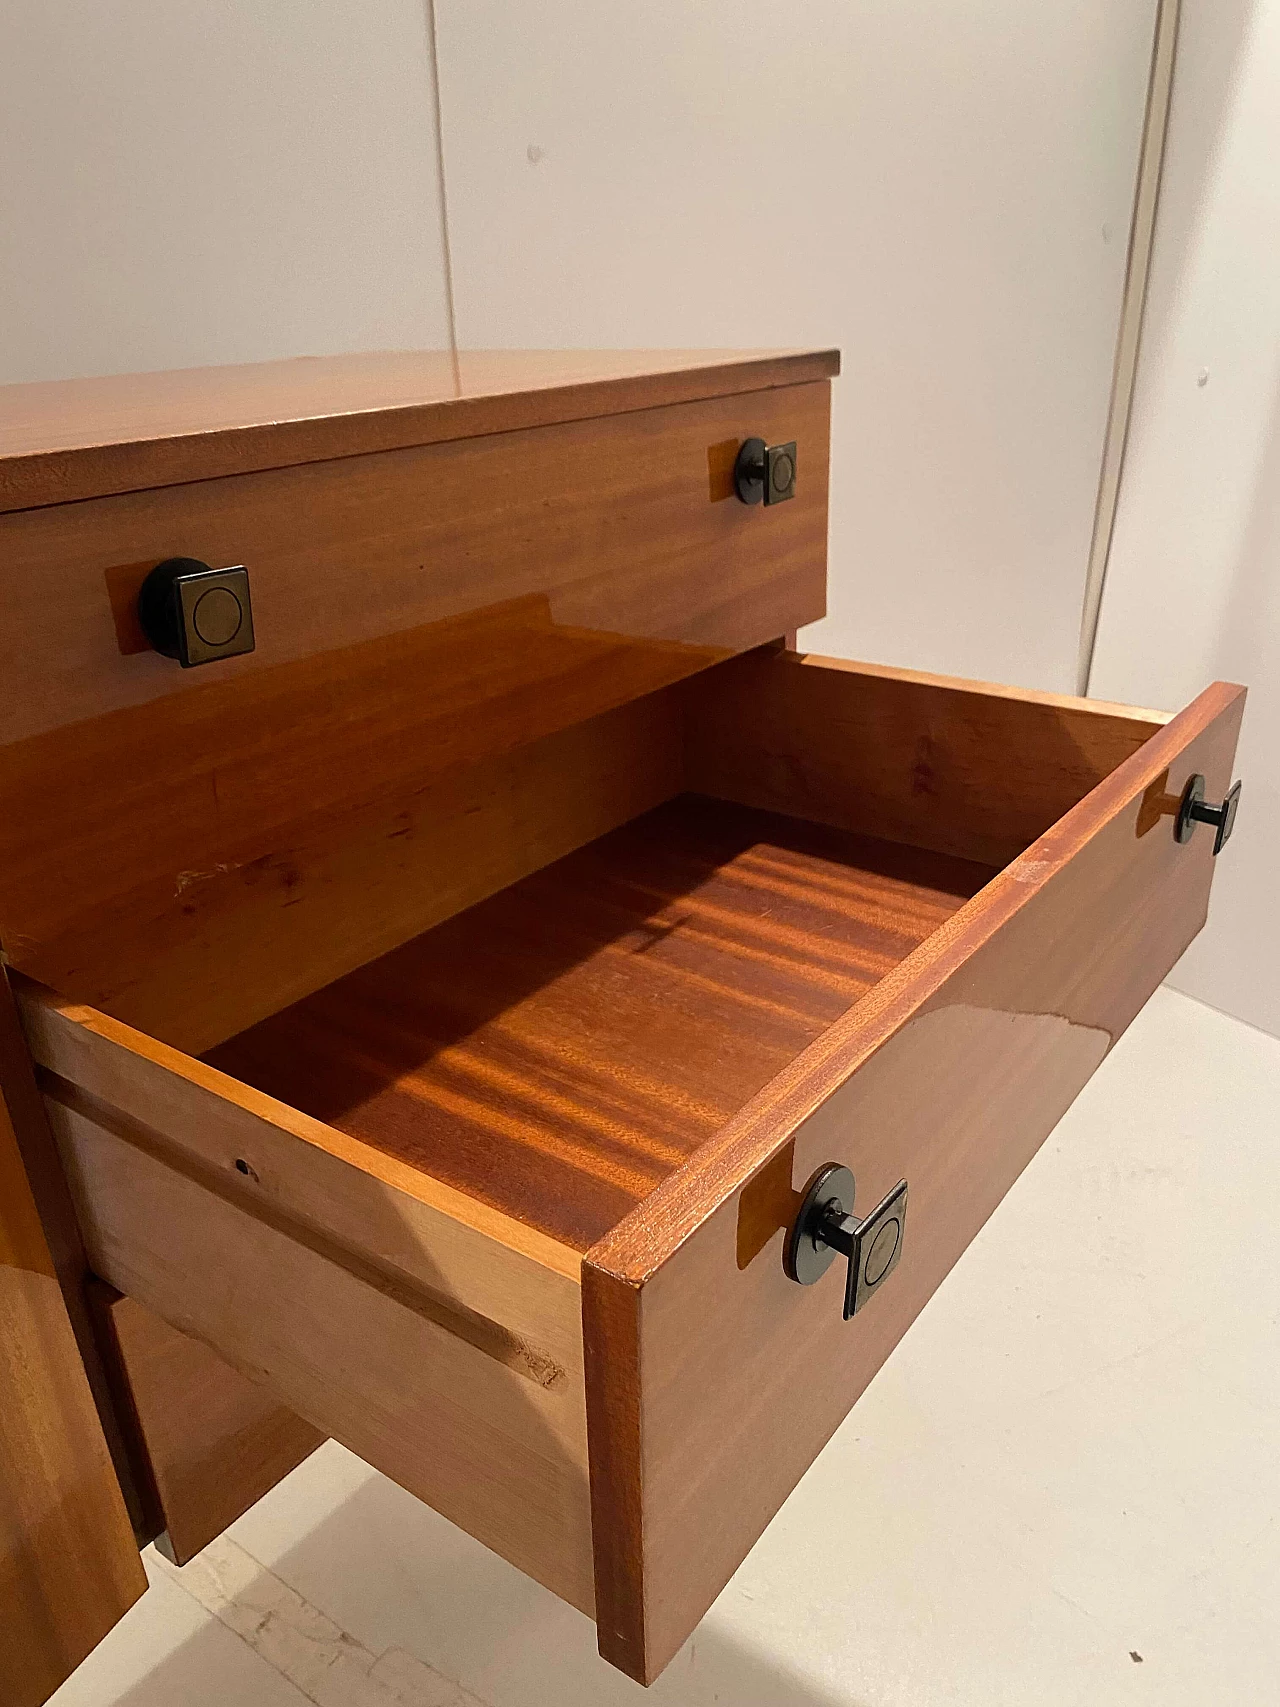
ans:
x=536 y=1062
x=560 y=1048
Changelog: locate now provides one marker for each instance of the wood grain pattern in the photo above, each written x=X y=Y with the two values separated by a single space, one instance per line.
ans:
x=214 y=1442
x=561 y=1048
x=69 y=1565
x=967 y=768
x=39 y=1156
x=417 y=613
x=389 y=1221
x=338 y=894
x=950 y=1074
x=597 y=532
x=495 y=1450
x=64 y=440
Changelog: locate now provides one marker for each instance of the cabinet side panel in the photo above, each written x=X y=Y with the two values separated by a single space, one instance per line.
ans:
x=69 y=1565
x=214 y=1441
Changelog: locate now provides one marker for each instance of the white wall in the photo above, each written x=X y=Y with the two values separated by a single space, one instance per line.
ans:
x=942 y=190
x=1193 y=584
x=209 y=181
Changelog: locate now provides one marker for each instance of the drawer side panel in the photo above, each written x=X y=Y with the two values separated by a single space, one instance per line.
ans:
x=481 y=1441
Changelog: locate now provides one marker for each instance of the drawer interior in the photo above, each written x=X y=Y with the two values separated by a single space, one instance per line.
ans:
x=558 y=1049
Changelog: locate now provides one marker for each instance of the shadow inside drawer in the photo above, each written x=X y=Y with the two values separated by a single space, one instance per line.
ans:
x=560 y=1048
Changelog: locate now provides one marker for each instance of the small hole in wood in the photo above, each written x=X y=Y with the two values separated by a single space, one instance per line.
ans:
x=243 y=1167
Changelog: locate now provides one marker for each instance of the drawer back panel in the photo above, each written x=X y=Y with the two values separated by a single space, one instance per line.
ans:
x=425 y=619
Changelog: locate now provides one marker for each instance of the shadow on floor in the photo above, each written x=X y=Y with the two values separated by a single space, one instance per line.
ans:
x=396 y=1576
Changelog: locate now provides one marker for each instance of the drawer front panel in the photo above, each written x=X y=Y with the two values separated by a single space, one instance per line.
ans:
x=711 y=1387
x=416 y=612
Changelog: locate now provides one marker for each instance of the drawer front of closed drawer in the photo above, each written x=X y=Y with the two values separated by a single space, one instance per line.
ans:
x=713 y=1380
x=616 y=538
x=416 y=611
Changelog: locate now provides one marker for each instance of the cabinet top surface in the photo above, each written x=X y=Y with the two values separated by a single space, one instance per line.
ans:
x=64 y=440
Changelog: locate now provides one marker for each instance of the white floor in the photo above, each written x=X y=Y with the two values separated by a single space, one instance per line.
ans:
x=1063 y=1488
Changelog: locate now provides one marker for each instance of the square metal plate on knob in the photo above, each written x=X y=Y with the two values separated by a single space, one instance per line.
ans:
x=877 y=1246
x=780 y=473
x=215 y=615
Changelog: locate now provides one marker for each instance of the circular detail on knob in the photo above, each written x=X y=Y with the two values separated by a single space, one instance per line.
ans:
x=784 y=473
x=881 y=1253
x=217 y=616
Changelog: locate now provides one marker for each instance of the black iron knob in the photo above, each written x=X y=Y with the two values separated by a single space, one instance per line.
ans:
x=825 y=1228
x=1195 y=809
x=765 y=472
x=196 y=614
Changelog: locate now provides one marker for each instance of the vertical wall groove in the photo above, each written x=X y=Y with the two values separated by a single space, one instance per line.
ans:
x=1129 y=338
x=442 y=190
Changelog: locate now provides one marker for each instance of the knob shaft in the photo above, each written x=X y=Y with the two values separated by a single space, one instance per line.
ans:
x=765 y=472
x=1195 y=809
x=824 y=1228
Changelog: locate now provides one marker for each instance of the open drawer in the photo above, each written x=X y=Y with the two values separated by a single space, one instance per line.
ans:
x=506 y=1210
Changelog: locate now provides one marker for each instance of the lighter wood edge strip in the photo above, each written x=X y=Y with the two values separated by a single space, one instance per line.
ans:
x=479 y=1331
x=652 y=1233
x=515 y=1235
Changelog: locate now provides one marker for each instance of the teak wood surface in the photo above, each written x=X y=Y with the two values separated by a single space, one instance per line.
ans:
x=54 y=1205
x=965 y=768
x=558 y=1050
x=213 y=1442
x=569 y=940
x=65 y=440
x=949 y=1074
x=419 y=613
x=601 y=1034
x=569 y=943
x=69 y=1565
x=435 y=1337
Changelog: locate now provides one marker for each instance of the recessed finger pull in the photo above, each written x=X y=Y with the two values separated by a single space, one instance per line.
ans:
x=196 y=614
x=1195 y=809
x=765 y=472
x=826 y=1228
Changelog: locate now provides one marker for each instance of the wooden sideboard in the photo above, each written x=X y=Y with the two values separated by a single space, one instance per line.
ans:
x=432 y=1019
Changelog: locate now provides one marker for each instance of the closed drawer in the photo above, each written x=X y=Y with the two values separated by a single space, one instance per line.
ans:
x=505 y=1210
x=415 y=611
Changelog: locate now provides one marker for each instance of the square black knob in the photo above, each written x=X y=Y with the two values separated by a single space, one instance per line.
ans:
x=197 y=614
x=765 y=472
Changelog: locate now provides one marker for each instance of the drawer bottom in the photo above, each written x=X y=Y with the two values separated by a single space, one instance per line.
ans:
x=561 y=1048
